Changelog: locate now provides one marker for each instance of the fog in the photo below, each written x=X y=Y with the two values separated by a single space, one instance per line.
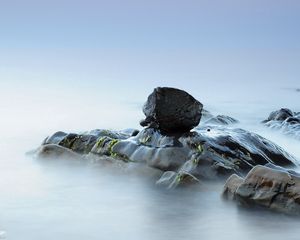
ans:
x=58 y=200
x=79 y=65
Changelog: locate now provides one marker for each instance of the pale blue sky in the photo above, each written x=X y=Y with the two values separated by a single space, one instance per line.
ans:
x=135 y=45
x=152 y=24
x=77 y=65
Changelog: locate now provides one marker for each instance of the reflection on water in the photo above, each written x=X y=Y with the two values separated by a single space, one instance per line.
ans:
x=54 y=200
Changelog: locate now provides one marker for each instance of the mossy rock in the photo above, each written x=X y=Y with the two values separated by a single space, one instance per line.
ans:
x=211 y=152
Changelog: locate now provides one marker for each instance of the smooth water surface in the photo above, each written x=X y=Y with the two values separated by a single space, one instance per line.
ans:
x=55 y=200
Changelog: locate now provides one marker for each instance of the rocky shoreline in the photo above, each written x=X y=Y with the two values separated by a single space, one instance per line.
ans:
x=285 y=121
x=185 y=153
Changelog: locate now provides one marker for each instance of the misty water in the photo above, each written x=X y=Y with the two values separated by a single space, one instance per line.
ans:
x=63 y=200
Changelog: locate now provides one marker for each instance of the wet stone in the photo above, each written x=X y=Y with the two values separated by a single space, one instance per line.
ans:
x=270 y=187
x=220 y=120
x=172 y=142
x=209 y=155
x=171 y=110
x=285 y=121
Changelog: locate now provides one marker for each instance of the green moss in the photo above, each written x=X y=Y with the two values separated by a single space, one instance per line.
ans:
x=196 y=161
x=72 y=143
x=100 y=142
x=237 y=162
x=111 y=144
x=179 y=178
x=196 y=146
x=114 y=154
x=67 y=142
x=107 y=144
x=120 y=156
x=199 y=148
x=145 y=139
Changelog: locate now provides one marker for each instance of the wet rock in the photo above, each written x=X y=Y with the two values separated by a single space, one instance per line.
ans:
x=209 y=119
x=112 y=134
x=205 y=155
x=85 y=142
x=284 y=120
x=273 y=166
x=79 y=143
x=130 y=132
x=221 y=120
x=202 y=154
x=231 y=186
x=171 y=110
x=209 y=152
x=273 y=188
x=54 y=151
x=171 y=179
x=279 y=115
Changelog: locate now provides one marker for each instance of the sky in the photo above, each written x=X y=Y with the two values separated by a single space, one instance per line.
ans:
x=123 y=49
x=138 y=41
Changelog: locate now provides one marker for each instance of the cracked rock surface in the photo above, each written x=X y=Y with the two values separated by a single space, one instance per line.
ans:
x=269 y=186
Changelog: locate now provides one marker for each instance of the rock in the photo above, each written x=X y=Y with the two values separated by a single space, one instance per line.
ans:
x=171 y=110
x=208 y=152
x=79 y=143
x=272 y=188
x=279 y=115
x=202 y=154
x=231 y=186
x=130 y=132
x=85 y=142
x=270 y=165
x=221 y=120
x=284 y=120
x=113 y=134
x=171 y=179
x=54 y=151
x=209 y=119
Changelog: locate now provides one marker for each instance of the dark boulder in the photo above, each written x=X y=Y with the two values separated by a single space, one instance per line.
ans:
x=270 y=187
x=171 y=110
